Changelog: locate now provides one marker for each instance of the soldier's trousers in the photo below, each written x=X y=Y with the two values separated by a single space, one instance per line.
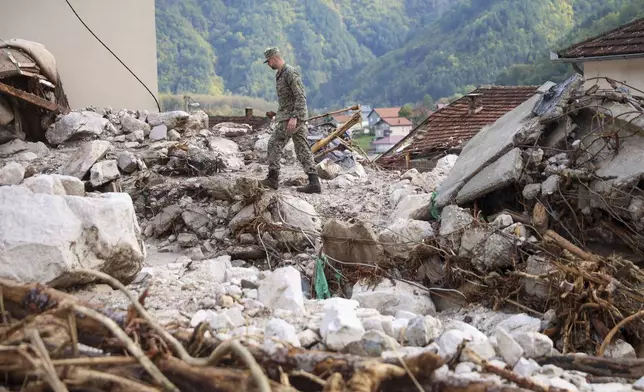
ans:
x=280 y=138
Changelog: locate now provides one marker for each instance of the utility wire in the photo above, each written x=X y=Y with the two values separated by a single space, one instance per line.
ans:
x=113 y=54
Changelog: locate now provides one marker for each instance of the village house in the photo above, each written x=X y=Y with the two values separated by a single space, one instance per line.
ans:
x=617 y=54
x=392 y=126
x=384 y=144
x=449 y=128
x=377 y=114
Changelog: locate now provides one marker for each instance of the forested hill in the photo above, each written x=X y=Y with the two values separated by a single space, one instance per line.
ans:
x=382 y=52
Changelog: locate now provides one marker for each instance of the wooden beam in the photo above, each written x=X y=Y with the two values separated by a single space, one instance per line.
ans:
x=33 y=99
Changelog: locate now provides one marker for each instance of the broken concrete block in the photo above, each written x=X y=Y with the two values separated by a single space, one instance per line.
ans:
x=488 y=145
x=44 y=238
x=454 y=219
x=104 y=172
x=12 y=174
x=86 y=157
x=505 y=171
x=355 y=243
x=228 y=151
x=77 y=124
x=171 y=120
x=130 y=124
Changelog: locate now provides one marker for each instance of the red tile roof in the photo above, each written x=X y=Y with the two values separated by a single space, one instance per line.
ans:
x=397 y=121
x=387 y=112
x=453 y=125
x=624 y=40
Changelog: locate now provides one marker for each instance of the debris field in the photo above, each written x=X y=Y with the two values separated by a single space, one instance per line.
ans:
x=138 y=252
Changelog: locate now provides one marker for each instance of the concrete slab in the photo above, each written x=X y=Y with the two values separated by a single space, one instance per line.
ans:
x=498 y=175
x=488 y=145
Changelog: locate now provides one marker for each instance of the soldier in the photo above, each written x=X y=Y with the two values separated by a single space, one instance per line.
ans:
x=291 y=116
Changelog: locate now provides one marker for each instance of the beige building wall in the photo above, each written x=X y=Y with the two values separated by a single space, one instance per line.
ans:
x=630 y=71
x=90 y=74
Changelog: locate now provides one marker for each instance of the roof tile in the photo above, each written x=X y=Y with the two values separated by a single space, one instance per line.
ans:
x=453 y=125
x=624 y=40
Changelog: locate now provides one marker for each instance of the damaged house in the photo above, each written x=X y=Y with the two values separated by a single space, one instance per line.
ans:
x=31 y=91
x=617 y=54
x=449 y=128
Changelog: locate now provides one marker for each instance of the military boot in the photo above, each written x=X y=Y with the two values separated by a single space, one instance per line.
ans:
x=313 y=185
x=272 y=180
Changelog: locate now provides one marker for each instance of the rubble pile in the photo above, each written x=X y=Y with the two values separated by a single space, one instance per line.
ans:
x=375 y=284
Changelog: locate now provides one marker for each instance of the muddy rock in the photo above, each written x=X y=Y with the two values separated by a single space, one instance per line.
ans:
x=351 y=243
x=328 y=170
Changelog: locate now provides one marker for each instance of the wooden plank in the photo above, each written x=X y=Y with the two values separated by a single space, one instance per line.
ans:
x=33 y=99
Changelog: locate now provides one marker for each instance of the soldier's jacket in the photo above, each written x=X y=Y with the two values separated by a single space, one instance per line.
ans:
x=291 y=97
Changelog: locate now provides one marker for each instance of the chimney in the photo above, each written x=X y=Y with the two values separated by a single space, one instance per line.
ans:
x=475 y=103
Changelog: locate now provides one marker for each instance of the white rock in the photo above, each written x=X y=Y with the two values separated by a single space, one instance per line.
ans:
x=398 y=329
x=216 y=268
x=13 y=147
x=509 y=349
x=159 y=132
x=201 y=316
x=297 y=213
x=170 y=119
x=136 y=136
x=308 y=338
x=85 y=157
x=12 y=173
x=620 y=349
x=240 y=273
x=342 y=181
x=373 y=324
x=449 y=342
x=327 y=169
x=563 y=384
x=229 y=319
x=464 y=367
x=421 y=330
x=502 y=221
x=403 y=235
x=406 y=314
x=43 y=238
x=454 y=219
x=228 y=151
x=283 y=331
x=639 y=384
x=75 y=124
x=43 y=183
x=387 y=298
x=340 y=325
x=282 y=290
x=413 y=207
x=104 y=172
x=399 y=194
x=520 y=323
x=72 y=185
x=526 y=367
x=610 y=387
x=534 y=344
x=130 y=124
x=173 y=135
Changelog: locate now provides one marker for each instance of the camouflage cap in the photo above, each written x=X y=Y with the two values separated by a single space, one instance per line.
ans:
x=270 y=52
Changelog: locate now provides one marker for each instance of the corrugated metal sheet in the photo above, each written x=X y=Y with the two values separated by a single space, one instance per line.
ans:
x=624 y=40
x=454 y=125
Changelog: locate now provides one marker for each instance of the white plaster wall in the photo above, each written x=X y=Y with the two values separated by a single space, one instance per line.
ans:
x=630 y=71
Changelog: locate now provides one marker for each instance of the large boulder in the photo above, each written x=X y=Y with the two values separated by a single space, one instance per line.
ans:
x=44 y=238
x=77 y=124
x=85 y=158
x=388 y=298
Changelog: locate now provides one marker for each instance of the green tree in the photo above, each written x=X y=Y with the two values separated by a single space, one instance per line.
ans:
x=406 y=110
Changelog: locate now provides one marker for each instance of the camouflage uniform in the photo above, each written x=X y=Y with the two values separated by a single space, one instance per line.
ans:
x=291 y=100
x=292 y=104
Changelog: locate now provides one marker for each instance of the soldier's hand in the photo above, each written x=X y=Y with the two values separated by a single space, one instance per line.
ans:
x=292 y=125
x=270 y=114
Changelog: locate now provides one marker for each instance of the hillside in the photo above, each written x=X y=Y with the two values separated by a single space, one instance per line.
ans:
x=215 y=46
x=372 y=51
x=543 y=69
